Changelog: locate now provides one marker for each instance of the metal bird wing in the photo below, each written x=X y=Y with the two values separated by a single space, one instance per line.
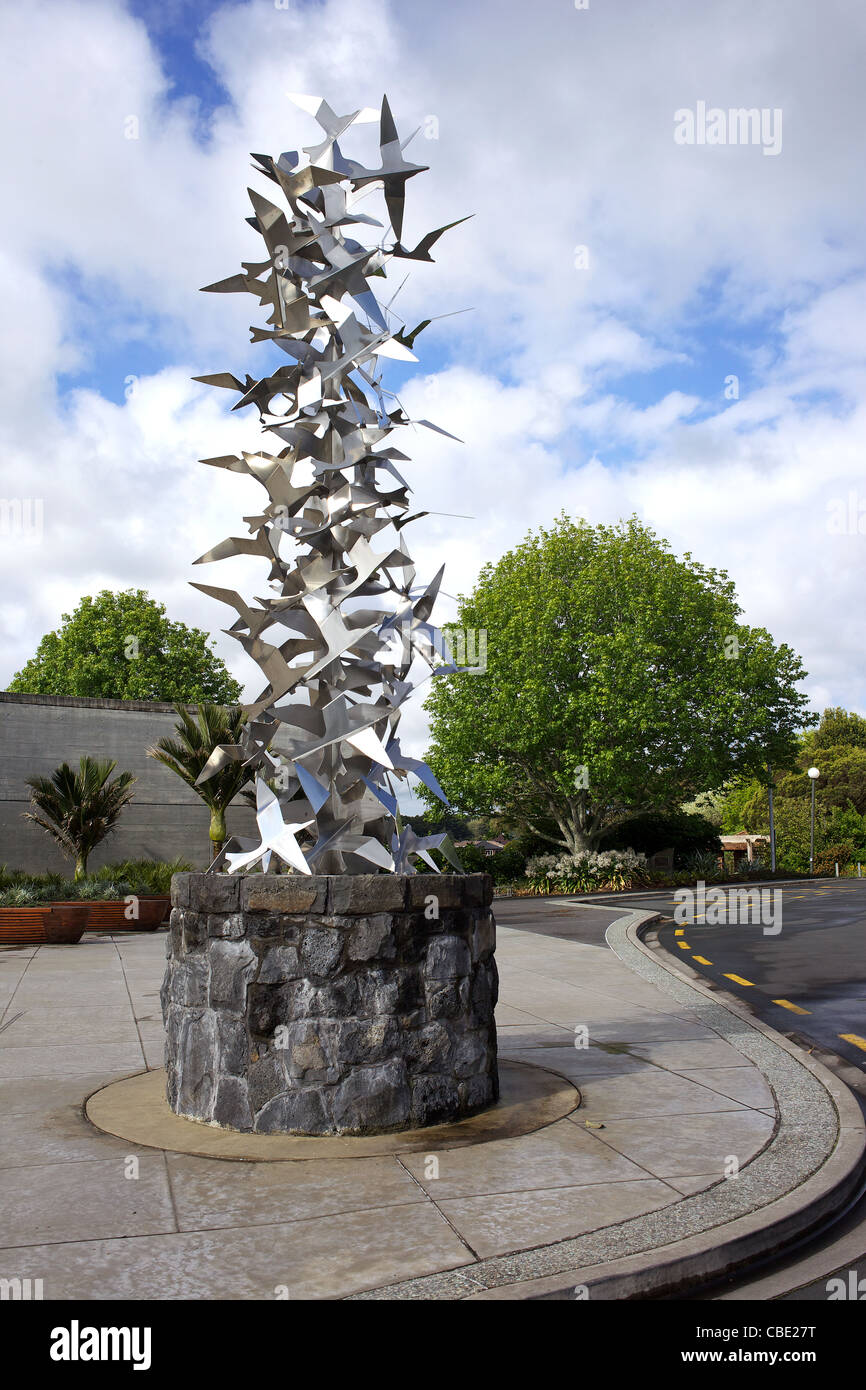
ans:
x=337 y=634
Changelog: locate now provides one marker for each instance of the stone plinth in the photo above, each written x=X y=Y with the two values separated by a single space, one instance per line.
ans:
x=352 y=1004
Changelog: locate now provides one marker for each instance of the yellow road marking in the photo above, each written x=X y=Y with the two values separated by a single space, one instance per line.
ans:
x=795 y=1008
x=702 y=959
x=855 y=1039
x=738 y=979
x=684 y=945
x=680 y=931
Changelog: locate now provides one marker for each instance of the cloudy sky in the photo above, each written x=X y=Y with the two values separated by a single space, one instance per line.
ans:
x=661 y=327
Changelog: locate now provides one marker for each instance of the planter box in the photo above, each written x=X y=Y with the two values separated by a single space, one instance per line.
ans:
x=352 y=1004
x=52 y=923
x=110 y=915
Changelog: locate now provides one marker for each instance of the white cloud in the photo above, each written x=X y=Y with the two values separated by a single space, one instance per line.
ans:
x=554 y=134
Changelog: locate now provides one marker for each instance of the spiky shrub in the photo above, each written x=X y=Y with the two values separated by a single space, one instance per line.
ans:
x=197 y=733
x=79 y=809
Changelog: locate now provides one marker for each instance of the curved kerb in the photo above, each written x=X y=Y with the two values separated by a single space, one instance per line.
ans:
x=809 y=1169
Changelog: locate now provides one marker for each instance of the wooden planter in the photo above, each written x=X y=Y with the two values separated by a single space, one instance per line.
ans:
x=110 y=915
x=48 y=924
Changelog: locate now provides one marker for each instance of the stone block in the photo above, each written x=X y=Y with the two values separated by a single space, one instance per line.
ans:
x=299 y=1111
x=469 y=1053
x=428 y=1048
x=354 y=894
x=196 y=1047
x=283 y=893
x=215 y=892
x=234 y=1050
x=227 y=926
x=447 y=998
x=447 y=959
x=478 y=1092
x=448 y=889
x=180 y=889
x=189 y=982
x=372 y=1099
x=478 y=890
x=373 y=938
x=483 y=937
x=232 y=966
x=232 y=1104
x=433 y=1096
x=266 y=1078
x=193 y=930
x=279 y=964
x=321 y=949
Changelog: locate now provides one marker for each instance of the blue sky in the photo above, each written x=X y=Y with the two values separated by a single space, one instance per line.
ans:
x=600 y=390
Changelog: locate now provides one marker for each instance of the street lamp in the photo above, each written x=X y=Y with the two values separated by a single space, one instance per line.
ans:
x=814 y=774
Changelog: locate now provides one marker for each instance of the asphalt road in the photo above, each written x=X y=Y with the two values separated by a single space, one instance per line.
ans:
x=802 y=969
x=807 y=979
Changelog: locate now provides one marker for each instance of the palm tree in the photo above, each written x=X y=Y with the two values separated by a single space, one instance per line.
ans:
x=79 y=809
x=197 y=736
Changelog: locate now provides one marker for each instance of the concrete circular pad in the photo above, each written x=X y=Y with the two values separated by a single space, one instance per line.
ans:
x=136 y=1109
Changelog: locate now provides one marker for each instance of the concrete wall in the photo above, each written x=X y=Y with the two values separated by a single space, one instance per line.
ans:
x=165 y=818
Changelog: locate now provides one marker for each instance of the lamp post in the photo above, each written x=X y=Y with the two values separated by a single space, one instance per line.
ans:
x=814 y=774
x=772 y=819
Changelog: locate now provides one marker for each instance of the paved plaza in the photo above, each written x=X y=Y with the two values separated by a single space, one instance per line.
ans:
x=664 y=1101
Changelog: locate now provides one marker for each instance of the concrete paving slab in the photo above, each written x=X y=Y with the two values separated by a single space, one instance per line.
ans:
x=42 y=1094
x=57 y=1027
x=57 y=1134
x=667 y=1145
x=210 y=1194
x=639 y=1094
x=326 y=1257
x=55 y=1060
x=562 y=1155
x=91 y=1199
x=739 y=1083
x=580 y=1065
x=504 y=1221
x=691 y=1056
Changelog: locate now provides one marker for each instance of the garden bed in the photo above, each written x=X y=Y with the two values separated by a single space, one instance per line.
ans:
x=47 y=925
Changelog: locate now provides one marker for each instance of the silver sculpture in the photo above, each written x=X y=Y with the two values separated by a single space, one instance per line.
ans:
x=322 y=734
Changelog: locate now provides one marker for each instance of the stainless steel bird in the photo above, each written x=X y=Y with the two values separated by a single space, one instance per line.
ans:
x=345 y=621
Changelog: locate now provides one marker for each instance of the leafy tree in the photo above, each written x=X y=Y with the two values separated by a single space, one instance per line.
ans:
x=837 y=747
x=121 y=646
x=197 y=735
x=837 y=729
x=610 y=662
x=685 y=832
x=434 y=822
x=79 y=809
x=842 y=781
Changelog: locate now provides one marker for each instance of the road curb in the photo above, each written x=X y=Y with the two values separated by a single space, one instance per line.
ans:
x=809 y=1170
x=821 y=1191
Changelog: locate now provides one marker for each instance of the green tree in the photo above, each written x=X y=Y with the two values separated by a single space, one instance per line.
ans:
x=842 y=781
x=837 y=729
x=121 y=646
x=79 y=809
x=610 y=662
x=837 y=747
x=198 y=733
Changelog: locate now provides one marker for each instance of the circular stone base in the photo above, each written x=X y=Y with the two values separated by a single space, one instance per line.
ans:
x=136 y=1109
